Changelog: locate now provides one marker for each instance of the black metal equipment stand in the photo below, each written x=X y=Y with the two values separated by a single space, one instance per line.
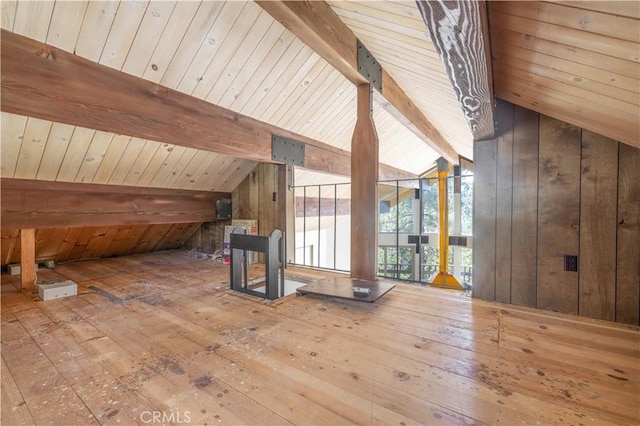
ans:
x=273 y=248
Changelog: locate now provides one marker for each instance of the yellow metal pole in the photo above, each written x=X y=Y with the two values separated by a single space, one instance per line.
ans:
x=443 y=278
x=444 y=222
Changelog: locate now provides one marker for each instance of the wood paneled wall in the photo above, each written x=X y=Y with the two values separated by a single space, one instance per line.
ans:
x=258 y=197
x=545 y=189
x=208 y=237
x=261 y=195
x=68 y=244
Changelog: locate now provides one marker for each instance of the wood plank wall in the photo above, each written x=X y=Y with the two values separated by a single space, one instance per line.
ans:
x=545 y=189
x=252 y=199
x=208 y=237
x=258 y=197
x=69 y=244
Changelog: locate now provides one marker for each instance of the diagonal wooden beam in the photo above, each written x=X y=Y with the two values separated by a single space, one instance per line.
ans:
x=318 y=26
x=460 y=32
x=48 y=83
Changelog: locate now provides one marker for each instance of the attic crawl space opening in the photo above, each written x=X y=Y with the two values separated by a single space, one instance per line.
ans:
x=409 y=237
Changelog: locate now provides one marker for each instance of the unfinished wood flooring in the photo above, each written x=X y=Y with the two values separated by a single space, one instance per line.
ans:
x=158 y=338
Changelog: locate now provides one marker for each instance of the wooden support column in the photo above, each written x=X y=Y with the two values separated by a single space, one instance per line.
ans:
x=364 y=178
x=27 y=259
x=287 y=208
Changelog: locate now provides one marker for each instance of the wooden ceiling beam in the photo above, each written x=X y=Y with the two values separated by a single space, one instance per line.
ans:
x=460 y=32
x=318 y=26
x=45 y=82
x=47 y=204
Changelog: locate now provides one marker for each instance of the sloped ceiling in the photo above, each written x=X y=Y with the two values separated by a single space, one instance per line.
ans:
x=232 y=54
x=395 y=33
x=578 y=62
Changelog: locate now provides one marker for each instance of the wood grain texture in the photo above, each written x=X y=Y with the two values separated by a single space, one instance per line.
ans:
x=628 y=236
x=405 y=111
x=484 y=219
x=208 y=237
x=319 y=27
x=558 y=214
x=474 y=352
x=612 y=86
x=27 y=259
x=364 y=201
x=569 y=17
x=504 y=200
x=576 y=59
x=524 y=231
x=316 y=24
x=396 y=35
x=460 y=33
x=598 y=197
x=530 y=93
x=13 y=128
x=618 y=8
x=551 y=57
x=14 y=409
x=54 y=204
x=125 y=104
x=8 y=13
x=9 y=239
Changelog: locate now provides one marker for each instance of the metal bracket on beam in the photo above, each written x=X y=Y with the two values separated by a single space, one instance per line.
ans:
x=369 y=68
x=288 y=151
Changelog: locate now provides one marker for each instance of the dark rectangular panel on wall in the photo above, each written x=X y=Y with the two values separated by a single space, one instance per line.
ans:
x=524 y=230
x=628 y=250
x=504 y=186
x=558 y=214
x=484 y=219
x=598 y=205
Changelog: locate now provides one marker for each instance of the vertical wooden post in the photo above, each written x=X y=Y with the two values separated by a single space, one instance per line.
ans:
x=364 y=199
x=27 y=259
x=285 y=210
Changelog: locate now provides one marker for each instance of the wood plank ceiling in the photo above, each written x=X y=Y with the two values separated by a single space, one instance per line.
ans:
x=395 y=33
x=574 y=61
x=232 y=54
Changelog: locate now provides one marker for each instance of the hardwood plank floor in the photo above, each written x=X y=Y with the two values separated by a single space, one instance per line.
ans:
x=158 y=338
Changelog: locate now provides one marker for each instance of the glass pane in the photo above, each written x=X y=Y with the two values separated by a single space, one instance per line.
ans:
x=451 y=204
x=429 y=206
x=466 y=205
x=405 y=263
x=430 y=261
x=327 y=226
x=387 y=211
x=460 y=256
x=300 y=219
x=312 y=226
x=343 y=228
x=408 y=209
x=466 y=262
